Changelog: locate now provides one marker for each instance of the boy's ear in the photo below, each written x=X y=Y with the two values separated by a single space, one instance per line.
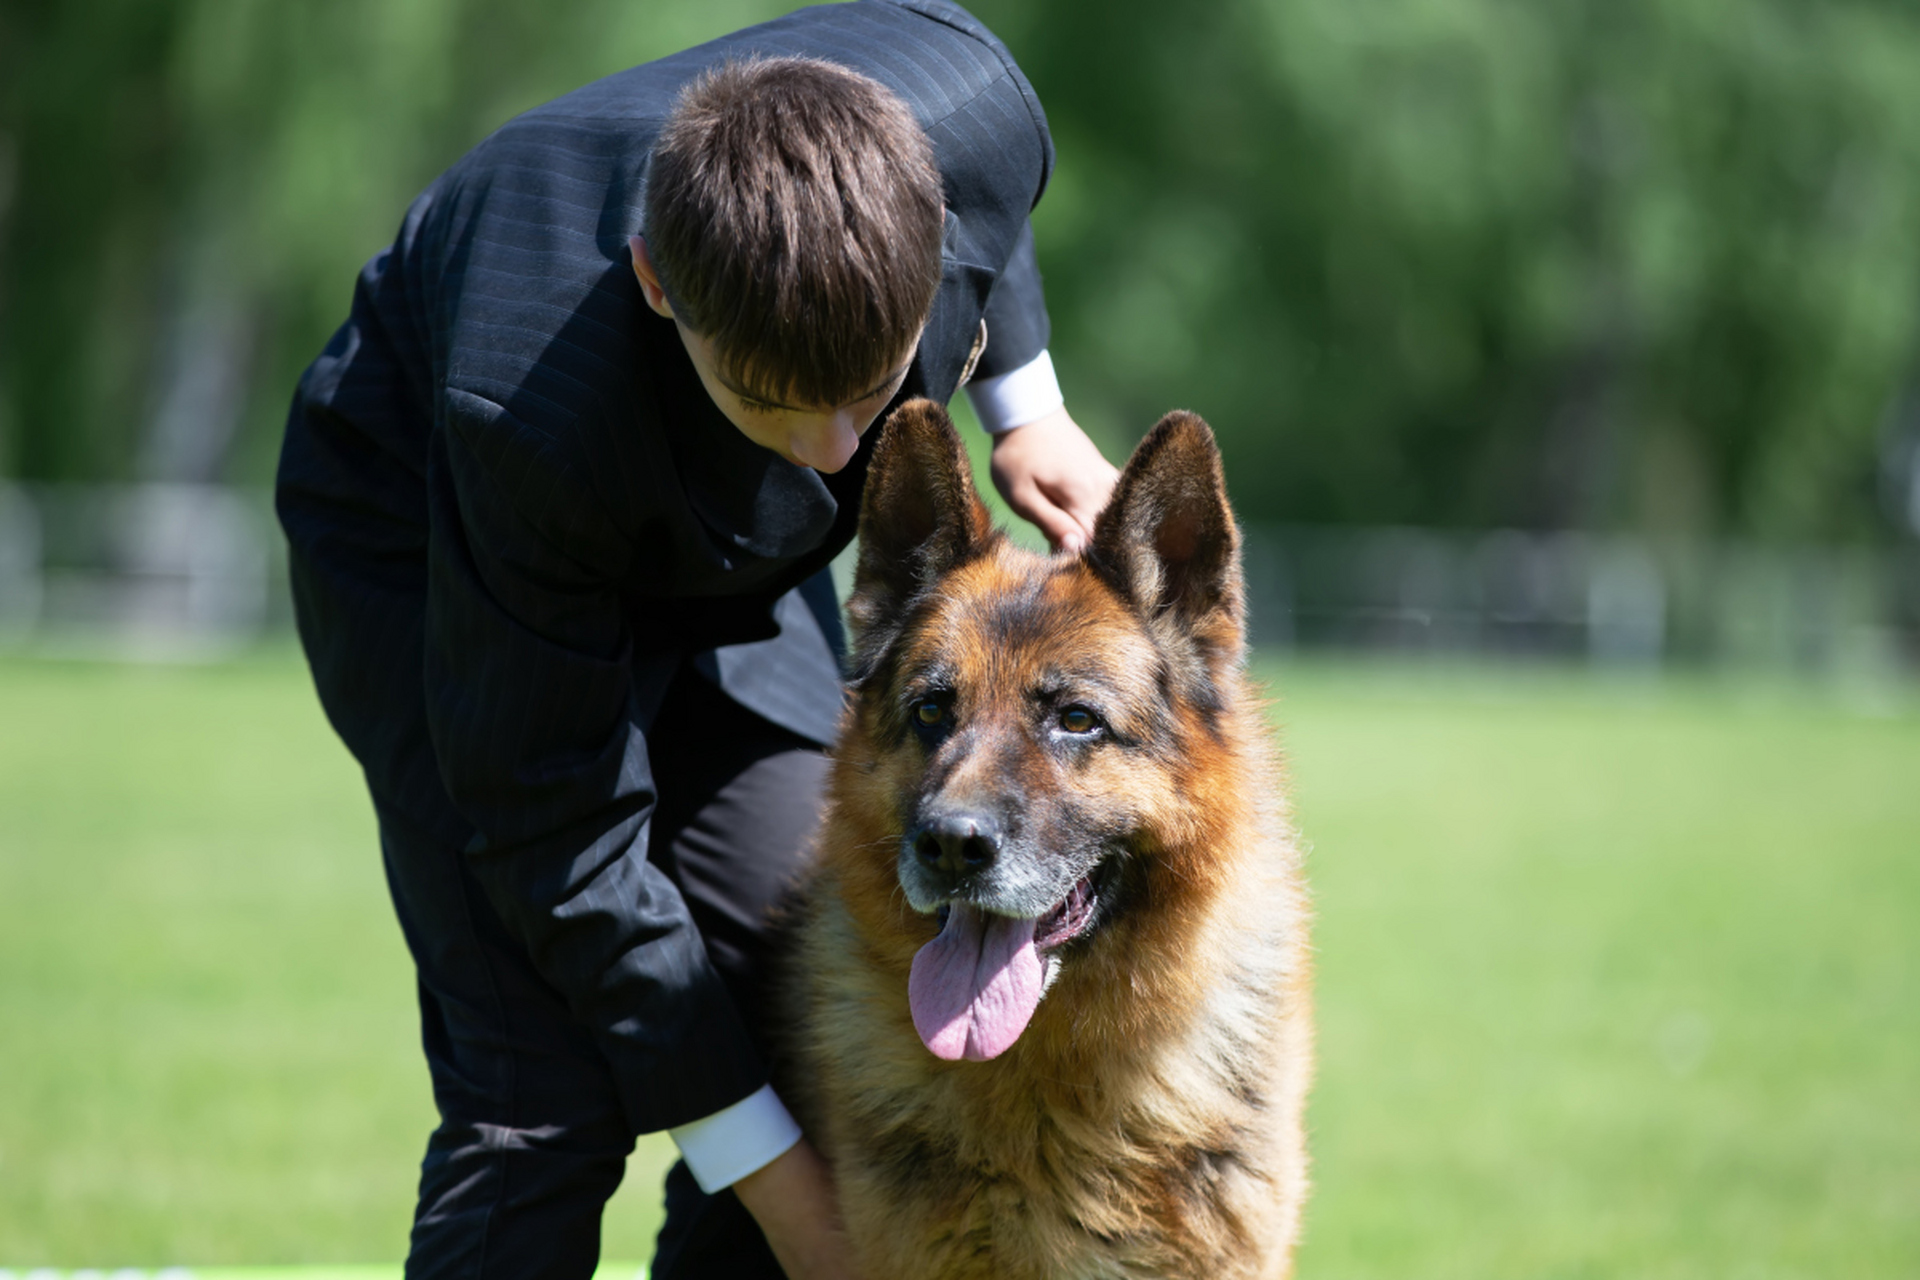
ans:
x=648 y=276
x=920 y=519
x=1166 y=540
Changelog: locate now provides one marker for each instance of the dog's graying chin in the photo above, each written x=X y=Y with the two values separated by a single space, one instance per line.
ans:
x=1031 y=878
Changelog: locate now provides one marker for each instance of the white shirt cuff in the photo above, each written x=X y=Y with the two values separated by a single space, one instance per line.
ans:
x=728 y=1145
x=1011 y=400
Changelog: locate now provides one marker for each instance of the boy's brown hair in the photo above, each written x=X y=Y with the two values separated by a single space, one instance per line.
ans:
x=794 y=215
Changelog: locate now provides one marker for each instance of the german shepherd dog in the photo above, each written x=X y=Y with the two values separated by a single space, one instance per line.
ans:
x=1050 y=1004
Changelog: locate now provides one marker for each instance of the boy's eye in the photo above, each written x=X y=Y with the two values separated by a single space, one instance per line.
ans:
x=929 y=712
x=1078 y=720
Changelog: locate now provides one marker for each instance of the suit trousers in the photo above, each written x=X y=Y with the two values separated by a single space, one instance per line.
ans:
x=532 y=1137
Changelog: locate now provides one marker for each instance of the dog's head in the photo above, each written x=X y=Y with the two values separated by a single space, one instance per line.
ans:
x=1032 y=732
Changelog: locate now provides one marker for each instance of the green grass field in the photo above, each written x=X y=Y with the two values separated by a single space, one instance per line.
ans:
x=1615 y=979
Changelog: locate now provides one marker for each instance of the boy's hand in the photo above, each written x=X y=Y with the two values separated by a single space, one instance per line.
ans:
x=1051 y=474
x=792 y=1199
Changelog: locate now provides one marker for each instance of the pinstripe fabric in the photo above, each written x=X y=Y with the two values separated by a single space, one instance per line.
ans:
x=514 y=515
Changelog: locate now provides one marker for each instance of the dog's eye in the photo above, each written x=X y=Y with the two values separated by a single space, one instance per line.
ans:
x=1079 y=720
x=929 y=712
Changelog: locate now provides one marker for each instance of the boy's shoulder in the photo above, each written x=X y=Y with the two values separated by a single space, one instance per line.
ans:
x=934 y=54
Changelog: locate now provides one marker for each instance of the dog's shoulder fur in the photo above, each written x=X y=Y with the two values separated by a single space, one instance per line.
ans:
x=1147 y=1120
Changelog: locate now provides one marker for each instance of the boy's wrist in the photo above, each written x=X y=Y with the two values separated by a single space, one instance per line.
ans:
x=793 y=1202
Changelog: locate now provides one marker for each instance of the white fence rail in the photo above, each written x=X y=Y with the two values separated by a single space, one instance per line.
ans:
x=1613 y=601
x=197 y=571
x=164 y=571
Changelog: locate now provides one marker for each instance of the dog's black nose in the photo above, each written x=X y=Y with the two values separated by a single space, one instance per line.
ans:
x=957 y=844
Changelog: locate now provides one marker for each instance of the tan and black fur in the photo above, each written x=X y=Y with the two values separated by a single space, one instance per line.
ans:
x=1147 y=1122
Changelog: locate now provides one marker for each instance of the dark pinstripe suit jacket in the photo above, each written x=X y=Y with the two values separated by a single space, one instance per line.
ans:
x=514 y=514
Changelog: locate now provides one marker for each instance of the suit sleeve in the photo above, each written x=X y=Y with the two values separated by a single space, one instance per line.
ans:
x=539 y=708
x=1016 y=315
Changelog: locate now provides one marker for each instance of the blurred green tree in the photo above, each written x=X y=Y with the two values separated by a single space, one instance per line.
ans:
x=1590 y=263
x=1585 y=263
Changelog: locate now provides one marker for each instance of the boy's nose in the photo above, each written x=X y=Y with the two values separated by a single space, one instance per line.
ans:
x=831 y=442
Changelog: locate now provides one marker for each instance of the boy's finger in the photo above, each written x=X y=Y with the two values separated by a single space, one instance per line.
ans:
x=1062 y=532
x=1081 y=505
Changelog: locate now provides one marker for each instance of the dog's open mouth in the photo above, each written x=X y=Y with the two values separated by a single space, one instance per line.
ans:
x=1068 y=920
x=1059 y=926
x=974 y=988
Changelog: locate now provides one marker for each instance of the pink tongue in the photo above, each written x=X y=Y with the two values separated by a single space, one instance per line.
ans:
x=974 y=987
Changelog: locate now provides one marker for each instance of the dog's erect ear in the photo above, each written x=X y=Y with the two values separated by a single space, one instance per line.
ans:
x=1167 y=541
x=920 y=518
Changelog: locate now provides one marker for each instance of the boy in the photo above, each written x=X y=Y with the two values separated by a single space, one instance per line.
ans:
x=560 y=497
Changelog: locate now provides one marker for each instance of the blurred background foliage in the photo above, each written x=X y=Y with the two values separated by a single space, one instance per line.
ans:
x=1636 y=265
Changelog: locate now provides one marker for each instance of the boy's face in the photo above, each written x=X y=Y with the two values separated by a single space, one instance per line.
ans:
x=812 y=436
x=816 y=436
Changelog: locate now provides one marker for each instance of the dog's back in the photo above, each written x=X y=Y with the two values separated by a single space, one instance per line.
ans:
x=1051 y=993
